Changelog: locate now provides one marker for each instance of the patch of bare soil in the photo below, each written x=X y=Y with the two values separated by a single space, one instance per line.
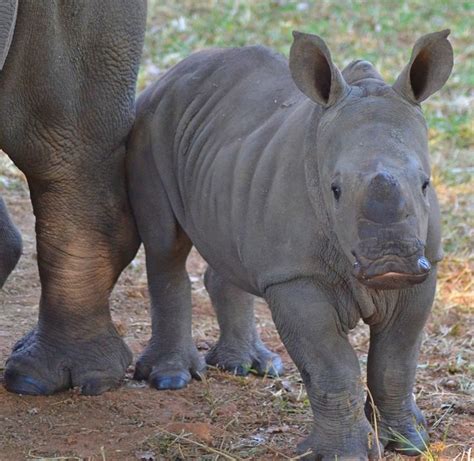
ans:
x=222 y=417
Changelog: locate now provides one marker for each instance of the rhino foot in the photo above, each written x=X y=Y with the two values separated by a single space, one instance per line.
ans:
x=409 y=438
x=407 y=435
x=243 y=359
x=169 y=369
x=358 y=445
x=239 y=349
x=42 y=364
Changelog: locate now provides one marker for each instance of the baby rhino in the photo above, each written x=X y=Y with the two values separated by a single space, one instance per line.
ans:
x=309 y=188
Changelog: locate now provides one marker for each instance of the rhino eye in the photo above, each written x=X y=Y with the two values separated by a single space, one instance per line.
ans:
x=336 y=190
x=425 y=185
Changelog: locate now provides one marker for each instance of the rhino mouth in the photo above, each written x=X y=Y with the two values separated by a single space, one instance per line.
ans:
x=392 y=280
x=390 y=270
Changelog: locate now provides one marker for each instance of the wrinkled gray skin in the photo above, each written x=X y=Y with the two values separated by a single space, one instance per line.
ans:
x=66 y=107
x=10 y=244
x=306 y=187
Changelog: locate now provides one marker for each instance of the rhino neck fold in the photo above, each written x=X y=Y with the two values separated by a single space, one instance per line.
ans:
x=331 y=253
x=313 y=183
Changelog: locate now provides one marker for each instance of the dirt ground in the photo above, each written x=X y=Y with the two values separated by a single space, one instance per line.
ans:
x=222 y=417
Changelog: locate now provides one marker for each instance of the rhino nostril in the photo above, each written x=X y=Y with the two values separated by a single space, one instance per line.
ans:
x=424 y=264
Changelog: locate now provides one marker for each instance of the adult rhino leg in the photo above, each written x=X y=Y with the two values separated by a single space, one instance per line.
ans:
x=310 y=328
x=85 y=237
x=66 y=108
x=239 y=347
x=391 y=368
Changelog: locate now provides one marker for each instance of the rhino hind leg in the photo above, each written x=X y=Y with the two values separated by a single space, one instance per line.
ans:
x=239 y=348
x=170 y=359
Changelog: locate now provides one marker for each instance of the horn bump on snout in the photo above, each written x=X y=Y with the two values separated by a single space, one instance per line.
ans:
x=384 y=202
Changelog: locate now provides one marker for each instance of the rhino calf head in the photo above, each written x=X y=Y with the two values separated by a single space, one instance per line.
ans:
x=372 y=157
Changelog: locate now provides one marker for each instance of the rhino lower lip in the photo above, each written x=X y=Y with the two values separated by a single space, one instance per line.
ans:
x=381 y=271
x=396 y=275
x=393 y=280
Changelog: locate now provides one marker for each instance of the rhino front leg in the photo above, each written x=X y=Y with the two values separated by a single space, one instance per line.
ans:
x=85 y=237
x=393 y=355
x=171 y=359
x=310 y=328
x=239 y=348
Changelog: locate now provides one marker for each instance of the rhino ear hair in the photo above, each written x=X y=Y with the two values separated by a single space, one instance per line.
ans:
x=429 y=67
x=314 y=72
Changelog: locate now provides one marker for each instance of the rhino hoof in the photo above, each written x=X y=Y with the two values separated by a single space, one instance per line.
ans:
x=41 y=364
x=169 y=370
x=274 y=368
x=25 y=385
x=412 y=441
x=172 y=382
x=242 y=370
x=358 y=445
x=97 y=385
x=407 y=435
x=242 y=360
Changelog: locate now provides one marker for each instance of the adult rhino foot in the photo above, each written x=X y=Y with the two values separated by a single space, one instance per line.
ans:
x=169 y=370
x=241 y=359
x=354 y=444
x=42 y=364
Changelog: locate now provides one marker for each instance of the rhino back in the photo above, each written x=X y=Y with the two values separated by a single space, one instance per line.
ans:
x=228 y=142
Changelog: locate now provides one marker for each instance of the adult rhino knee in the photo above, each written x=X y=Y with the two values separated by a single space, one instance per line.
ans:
x=10 y=244
x=309 y=187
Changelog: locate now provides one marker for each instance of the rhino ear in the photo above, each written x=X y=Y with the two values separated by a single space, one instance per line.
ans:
x=430 y=64
x=313 y=71
x=8 y=11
